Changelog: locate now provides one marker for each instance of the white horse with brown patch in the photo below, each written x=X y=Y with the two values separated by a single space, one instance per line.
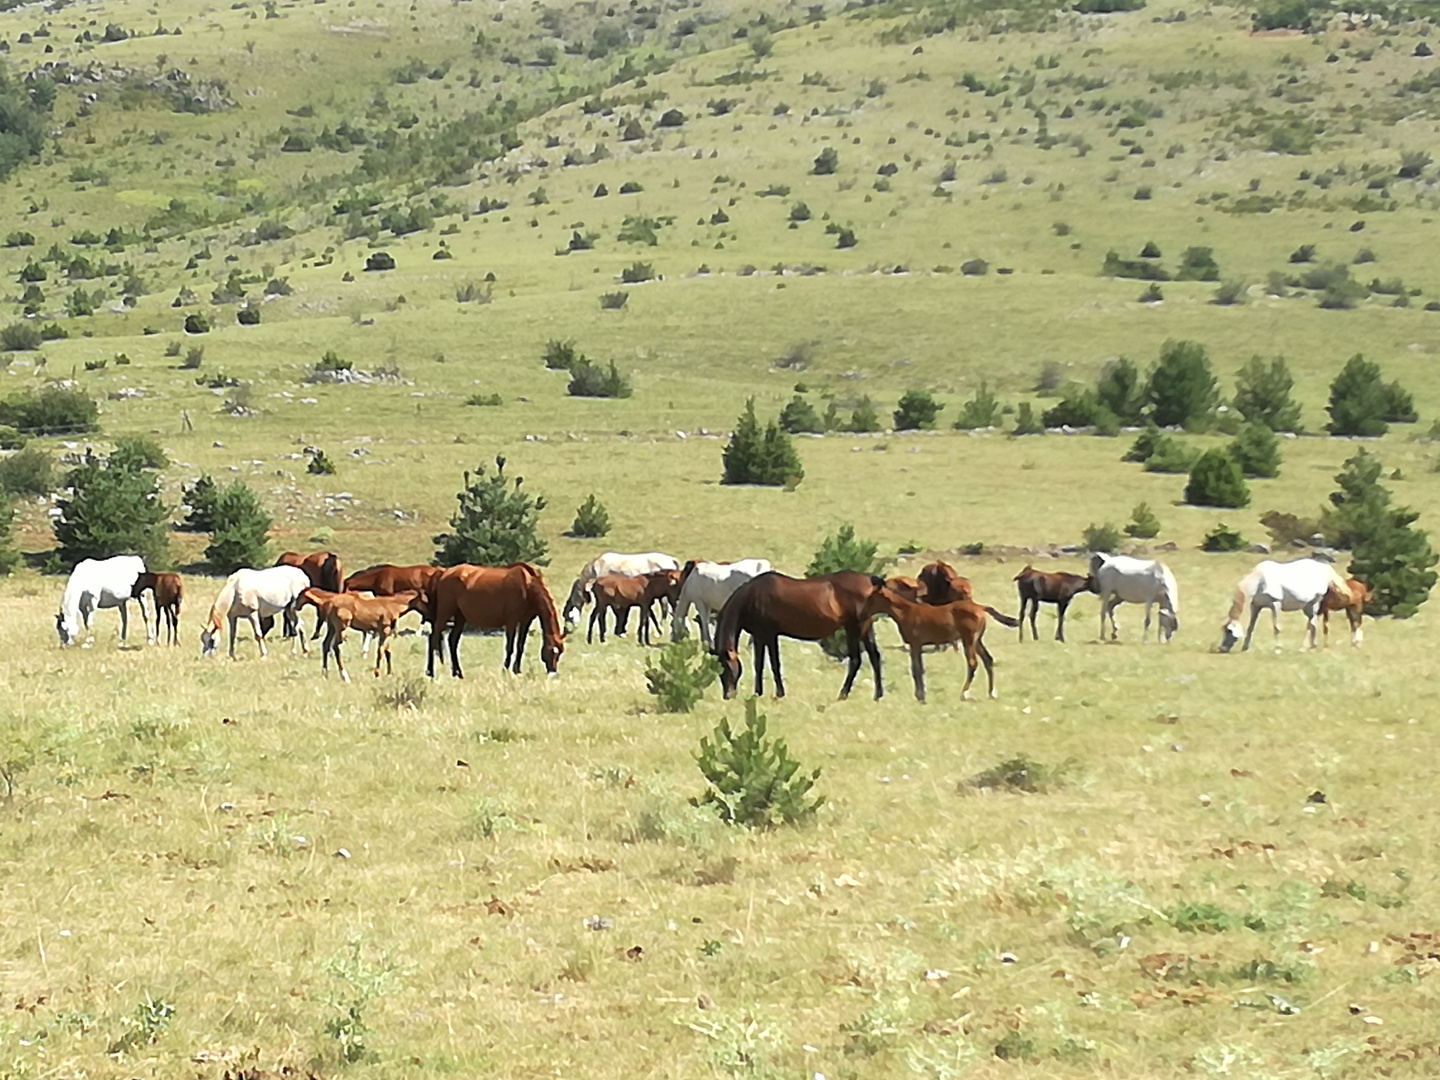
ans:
x=1301 y=585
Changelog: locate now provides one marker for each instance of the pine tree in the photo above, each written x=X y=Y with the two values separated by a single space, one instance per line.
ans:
x=765 y=457
x=1182 y=388
x=744 y=447
x=113 y=509
x=981 y=411
x=592 y=520
x=496 y=523
x=1215 y=480
x=799 y=416
x=1257 y=451
x=1394 y=559
x=239 y=526
x=841 y=551
x=1359 y=401
x=1121 y=391
x=1262 y=395
x=200 y=498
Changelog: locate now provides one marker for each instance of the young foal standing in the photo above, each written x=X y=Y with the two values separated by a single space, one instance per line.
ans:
x=1354 y=609
x=619 y=593
x=369 y=614
x=959 y=621
x=772 y=605
x=168 y=591
x=1036 y=587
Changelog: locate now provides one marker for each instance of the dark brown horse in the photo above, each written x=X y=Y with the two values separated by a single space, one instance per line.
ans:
x=324 y=570
x=492 y=598
x=1038 y=587
x=618 y=593
x=772 y=606
x=384 y=579
x=960 y=621
x=169 y=591
x=943 y=585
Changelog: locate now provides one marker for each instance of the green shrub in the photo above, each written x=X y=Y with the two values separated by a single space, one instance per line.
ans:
x=1026 y=422
x=1170 y=455
x=1121 y=390
x=590 y=380
x=139 y=452
x=1257 y=451
x=20 y=337
x=51 y=410
x=1216 y=480
x=1080 y=410
x=592 y=520
x=1360 y=403
x=1138 y=269
x=799 y=417
x=200 y=499
x=865 y=417
x=196 y=323
x=754 y=456
x=1284 y=529
x=194 y=356
x=1144 y=525
x=319 y=463
x=1198 y=264
x=1222 y=538
x=239 y=527
x=637 y=272
x=485 y=399
x=680 y=674
x=981 y=411
x=10 y=559
x=29 y=472
x=113 y=508
x=917 y=409
x=754 y=782
x=1262 y=395
x=841 y=551
x=1387 y=553
x=1019 y=774
x=826 y=163
x=1145 y=443
x=495 y=524
x=560 y=355
x=1181 y=389
x=1104 y=537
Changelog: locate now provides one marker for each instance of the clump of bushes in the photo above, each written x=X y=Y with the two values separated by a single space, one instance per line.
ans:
x=1361 y=403
x=590 y=380
x=917 y=410
x=765 y=456
x=592 y=520
x=1216 y=480
x=50 y=410
x=679 y=676
x=1222 y=538
x=754 y=782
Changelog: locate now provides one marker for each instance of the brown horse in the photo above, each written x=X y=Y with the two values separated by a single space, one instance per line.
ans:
x=1038 y=587
x=490 y=598
x=910 y=588
x=370 y=615
x=940 y=624
x=772 y=605
x=387 y=580
x=618 y=593
x=168 y=591
x=943 y=585
x=324 y=570
x=1354 y=609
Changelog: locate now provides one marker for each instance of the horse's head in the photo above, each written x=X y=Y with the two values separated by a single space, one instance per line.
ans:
x=1091 y=585
x=209 y=640
x=730 y=671
x=552 y=646
x=1229 y=636
x=1169 y=623
x=65 y=628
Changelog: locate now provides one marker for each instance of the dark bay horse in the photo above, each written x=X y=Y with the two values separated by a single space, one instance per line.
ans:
x=959 y=621
x=324 y=570
x=773 y=605
x=169 y=592
x=492 y=598
x=619 y=593
x=1037 y=587
x=943 y=585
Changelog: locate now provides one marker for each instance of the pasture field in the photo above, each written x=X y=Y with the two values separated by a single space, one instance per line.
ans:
x=1229 y=868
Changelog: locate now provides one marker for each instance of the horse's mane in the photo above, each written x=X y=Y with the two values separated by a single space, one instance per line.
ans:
x=727 y=626
x=221 y=607
x=1244 y=590
x=1341 y=586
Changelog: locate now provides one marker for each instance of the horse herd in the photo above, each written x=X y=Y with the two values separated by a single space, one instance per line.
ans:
x=936 y=608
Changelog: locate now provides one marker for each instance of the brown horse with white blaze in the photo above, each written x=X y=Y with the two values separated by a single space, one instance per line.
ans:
x=1038 y=587
x=959 y=621
x=773 y=605
x=168 y=591
x=492 y=598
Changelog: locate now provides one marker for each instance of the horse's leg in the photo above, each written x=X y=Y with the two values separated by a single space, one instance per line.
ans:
x=1275 y=622
x=340 y=664
x=125 y=619
x=758 y=645
x=972 y=662
x=775 y=665
x=852 y=649
x=917 y=670
x=590 y=631
x=989 y=662
x=1060 y=608
x=522 y=635
x=1357 y=633
x=1034 y=613
x=325 y=647
x=872 y=650
x=259 y=637
x=455 y=633
x=1250 y=630
x=1145 y=632
x=702 y=615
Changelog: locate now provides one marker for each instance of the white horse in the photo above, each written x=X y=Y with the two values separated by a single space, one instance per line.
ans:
x=613 y=562
x=706 y=586
x=1123 y=579
x=98 y=583
x=253 y=594
x=1294 y=586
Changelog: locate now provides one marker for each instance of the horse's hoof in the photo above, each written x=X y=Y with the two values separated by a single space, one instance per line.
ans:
x=994 y=696
x=965 y=695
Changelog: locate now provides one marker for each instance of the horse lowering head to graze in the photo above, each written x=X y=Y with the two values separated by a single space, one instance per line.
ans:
x=169 y=592
x=493 y=598
x=960 y=621
x=98 y=583
x=943 y=585
x=250 y=595
x=1124 y=579
x=1354 y=608
x=706 y=586
x=1038 y=587
x=773 y=605
x=1301 y=585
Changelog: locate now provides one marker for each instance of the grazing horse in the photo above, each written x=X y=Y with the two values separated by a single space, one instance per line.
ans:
x=706 y=586
x=943 y=585
x=921 y=624
x=1354 y=609
x=253 y=594
x=613 y=562
x=490 y=598
x=1301 y=585
x=168 y=591
x=324 y=570
x=352 y=611
x=387 y=580
x=1123 y=579
x=772 y=605
x=617 y=593
x=98 y=583
x=1037 y=587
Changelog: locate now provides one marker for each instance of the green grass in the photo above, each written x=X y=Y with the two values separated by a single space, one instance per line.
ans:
x=174 y=900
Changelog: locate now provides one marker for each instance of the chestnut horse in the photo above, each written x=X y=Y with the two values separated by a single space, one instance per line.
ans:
x=1038 y=587
x=1354 y=609
x=910 y=588
x=619 y=593
x=773 y=605
x=940 y=624
x=168 y=591
x=369 y=614
x=943 y=585
x=490 y=598
x=387 y=580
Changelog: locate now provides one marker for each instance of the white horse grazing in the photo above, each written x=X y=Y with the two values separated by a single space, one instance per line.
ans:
x=98 y=583
x=252 y=594
x=1123 y=579
x=1294 y=586
x=613 y=562
x=706 y=586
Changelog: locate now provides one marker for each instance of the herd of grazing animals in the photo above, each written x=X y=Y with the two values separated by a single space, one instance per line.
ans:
x=934 y=609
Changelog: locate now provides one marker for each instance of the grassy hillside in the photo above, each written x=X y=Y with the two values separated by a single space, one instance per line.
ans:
x=1176 y=899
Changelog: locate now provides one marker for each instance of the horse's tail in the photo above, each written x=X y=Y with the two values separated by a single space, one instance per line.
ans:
x=1171 y=588
x=1001 y=617
x=332 y=572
